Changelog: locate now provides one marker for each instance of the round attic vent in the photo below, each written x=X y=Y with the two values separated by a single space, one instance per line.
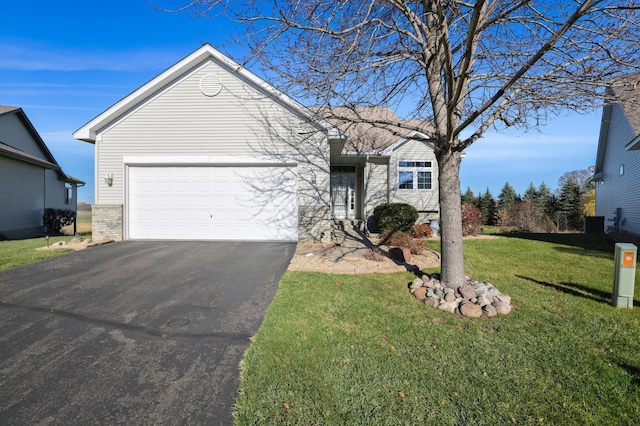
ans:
x=210 y=85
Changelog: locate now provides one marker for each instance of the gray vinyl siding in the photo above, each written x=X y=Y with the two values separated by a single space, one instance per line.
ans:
x=620 y=191
x=239 y=122
x=22 y=195
x=375 y=184
x=14 y=134
x=55 y=191
x=424 y=200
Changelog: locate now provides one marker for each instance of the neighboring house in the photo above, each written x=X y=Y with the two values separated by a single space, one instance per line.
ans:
x=208 y=150
x=617 y=169
x=30 y=178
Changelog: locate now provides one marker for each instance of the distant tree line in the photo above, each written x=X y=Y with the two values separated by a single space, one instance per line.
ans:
x=82 y=206
x=538 y=209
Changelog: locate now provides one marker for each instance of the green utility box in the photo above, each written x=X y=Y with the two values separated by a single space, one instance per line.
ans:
x=624 y=275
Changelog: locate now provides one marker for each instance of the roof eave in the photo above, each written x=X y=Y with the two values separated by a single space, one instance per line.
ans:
x=634 y=145
x=89 y=131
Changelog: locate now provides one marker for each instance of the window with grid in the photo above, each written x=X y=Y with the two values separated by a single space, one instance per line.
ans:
x=414 y=174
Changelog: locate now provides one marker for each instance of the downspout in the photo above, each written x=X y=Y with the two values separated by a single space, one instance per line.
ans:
x=389 y=181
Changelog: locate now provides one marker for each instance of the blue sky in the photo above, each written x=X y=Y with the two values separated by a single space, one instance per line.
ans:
x=66 y=62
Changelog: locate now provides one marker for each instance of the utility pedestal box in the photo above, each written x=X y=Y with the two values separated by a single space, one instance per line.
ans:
x=624 y=275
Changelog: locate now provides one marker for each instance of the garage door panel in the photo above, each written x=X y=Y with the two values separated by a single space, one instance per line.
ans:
x=216 y=203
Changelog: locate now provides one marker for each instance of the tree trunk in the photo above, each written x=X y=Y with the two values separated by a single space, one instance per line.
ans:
x=452 y=266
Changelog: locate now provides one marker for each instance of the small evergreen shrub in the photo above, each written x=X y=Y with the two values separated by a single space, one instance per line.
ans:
x=471 y=220
x=395 y=217
x=54 y=219
x=421 y=230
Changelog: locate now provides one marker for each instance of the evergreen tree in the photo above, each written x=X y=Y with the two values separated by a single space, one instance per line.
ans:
x=552 y=205
x=531 y=193
x=543 y=194
x=507 y=196
x=571 y=202
x=469 y=197
x=487 y=206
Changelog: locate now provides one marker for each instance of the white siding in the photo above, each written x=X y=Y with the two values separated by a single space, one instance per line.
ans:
x=424 y=200
x=181 y=121
x=620 y=191
x=21 y=195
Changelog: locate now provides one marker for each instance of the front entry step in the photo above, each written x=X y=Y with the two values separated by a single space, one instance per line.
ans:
x=340 y=229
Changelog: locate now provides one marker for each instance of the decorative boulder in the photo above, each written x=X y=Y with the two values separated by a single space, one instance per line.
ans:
x=416 y=284
x=467 y=292
x=501 y=307
x=432 y=301
x=489 y=311
x=471 y=310
x=449 y=306
x=420 y=293
x=401 y=254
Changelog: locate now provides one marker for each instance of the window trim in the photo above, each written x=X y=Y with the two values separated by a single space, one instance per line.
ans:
x=415 y=167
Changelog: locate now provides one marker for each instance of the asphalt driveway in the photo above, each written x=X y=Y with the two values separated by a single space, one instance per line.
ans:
x=133 y=332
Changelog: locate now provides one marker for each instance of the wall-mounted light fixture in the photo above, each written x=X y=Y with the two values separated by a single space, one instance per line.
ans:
x=109 y=179
x=313 y=177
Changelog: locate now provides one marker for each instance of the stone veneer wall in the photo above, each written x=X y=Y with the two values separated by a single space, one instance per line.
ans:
x=107 y=221
x=313 y=221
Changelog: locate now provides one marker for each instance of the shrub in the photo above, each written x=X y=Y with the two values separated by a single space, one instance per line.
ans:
x=395 y=216
x=402 y=239
x=421 y=230
x=54 y=219
x=375 y=254
x=471 y=220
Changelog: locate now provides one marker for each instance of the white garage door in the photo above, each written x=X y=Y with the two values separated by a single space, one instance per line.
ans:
x=213 y=203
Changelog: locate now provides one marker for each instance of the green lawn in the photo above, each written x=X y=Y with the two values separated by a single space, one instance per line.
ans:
x=20 y=252
x=361 y=350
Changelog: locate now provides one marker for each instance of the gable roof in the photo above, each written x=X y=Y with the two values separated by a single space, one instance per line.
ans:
x=6 y=150
x=89 y=131
x=414 y=135
x=626 y=91
x=370 y=130
x=623 y=91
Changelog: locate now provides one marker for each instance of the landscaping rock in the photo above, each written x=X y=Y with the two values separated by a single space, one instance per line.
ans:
x=449 y=306
x=480 y=289
x=420 y=293
x=471 y=310
x=401 y=254
x=432 y=301
x=416 y=284
x=474 y=299
x=501 y=307
x=467 y=292
x=489 y=311
x=504 y=298
x=483 y=301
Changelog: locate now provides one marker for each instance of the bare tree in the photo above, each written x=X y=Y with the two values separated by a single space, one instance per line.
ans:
x=452 y=69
